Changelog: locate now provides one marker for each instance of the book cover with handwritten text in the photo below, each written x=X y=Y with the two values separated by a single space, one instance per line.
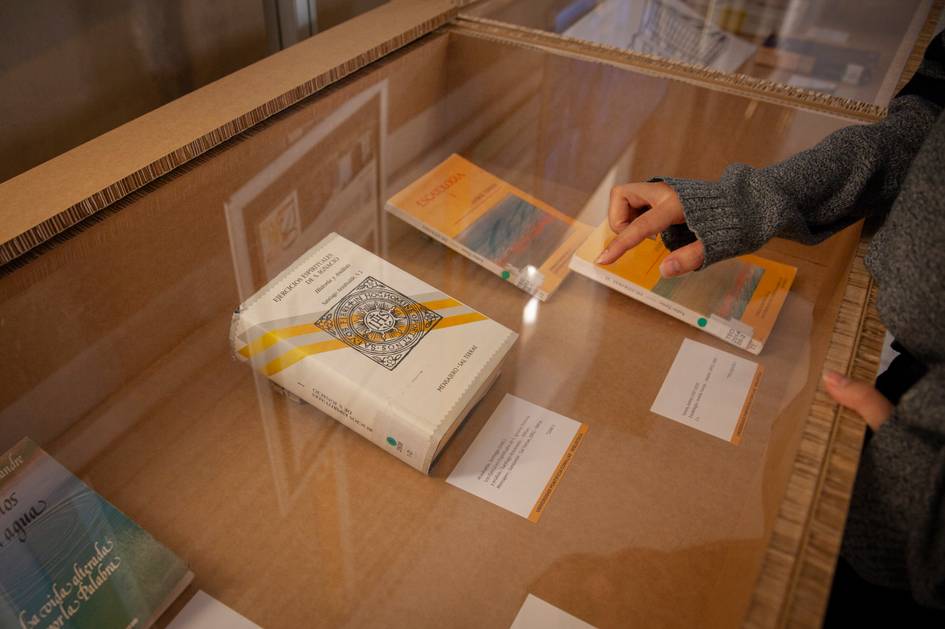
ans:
x=69 y=558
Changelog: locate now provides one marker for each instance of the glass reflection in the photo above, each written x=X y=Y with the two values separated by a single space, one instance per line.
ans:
x=847 y=49
x=330 y=178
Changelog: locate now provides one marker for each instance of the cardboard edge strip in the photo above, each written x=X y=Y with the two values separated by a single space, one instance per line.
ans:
x=27 y=194
x=807 y=602
x=798 y=565
x=737 y=84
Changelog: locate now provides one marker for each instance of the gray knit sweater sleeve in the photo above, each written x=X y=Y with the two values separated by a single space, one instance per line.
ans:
x=854 y=172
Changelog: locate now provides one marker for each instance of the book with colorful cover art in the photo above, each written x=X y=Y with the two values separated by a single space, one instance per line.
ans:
x=382 y=352
x=737 y=300
x=69 y=558
x=513 y=234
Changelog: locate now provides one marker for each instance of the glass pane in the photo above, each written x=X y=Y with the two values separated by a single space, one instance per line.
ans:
x=855 y=50
x=118 y=360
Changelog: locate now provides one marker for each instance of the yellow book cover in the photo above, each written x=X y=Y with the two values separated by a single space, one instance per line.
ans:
x=516 y=236
x=737 y=300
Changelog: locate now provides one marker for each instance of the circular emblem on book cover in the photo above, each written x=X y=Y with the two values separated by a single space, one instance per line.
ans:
x=379 y=322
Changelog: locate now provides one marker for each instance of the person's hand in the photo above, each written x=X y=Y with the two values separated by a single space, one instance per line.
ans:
x=861 y=397
x=639 y=210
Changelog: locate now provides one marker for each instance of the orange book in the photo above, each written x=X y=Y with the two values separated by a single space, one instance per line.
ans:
x=516 y=236
x=737 y=300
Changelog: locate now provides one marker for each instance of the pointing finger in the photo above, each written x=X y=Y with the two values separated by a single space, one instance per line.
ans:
x=647 y=224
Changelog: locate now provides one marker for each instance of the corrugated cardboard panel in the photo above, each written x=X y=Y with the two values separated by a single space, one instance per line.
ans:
x=45 y=200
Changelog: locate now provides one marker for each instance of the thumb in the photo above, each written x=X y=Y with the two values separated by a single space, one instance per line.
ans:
x=683 y=260
x=863 y=398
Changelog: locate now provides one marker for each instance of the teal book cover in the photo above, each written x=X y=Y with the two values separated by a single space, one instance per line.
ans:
x=68 y=558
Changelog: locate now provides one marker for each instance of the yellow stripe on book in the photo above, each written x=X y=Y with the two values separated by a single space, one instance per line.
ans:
x=269 y=339
x=298 y=353
x=272 y=337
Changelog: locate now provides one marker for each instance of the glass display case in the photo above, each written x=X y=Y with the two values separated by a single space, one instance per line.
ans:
x=118 y=360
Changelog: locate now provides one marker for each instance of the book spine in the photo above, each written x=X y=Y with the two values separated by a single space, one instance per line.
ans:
x=705 y=323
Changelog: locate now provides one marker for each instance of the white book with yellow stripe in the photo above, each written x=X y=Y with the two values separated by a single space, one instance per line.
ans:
x=382 y=352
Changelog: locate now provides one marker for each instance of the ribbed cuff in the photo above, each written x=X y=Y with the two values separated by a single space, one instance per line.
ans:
x=711 y=217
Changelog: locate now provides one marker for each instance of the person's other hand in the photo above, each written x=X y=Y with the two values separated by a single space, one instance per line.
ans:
x=640 y=210
x=861 y=397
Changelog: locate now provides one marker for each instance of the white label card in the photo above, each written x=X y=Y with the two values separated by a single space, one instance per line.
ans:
x=537 y=614
x=519 y=457
x=205 y=612
x=709 y=390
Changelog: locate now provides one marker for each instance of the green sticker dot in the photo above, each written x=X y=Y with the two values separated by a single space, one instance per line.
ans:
x=506 y=275
x=702 y=322
x=392 y=441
